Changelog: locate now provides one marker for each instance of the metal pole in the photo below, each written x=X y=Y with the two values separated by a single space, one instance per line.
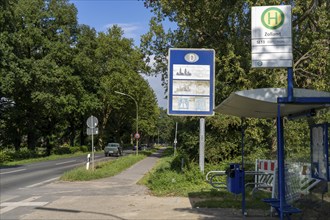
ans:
x=137 y=119
x=243 y=172
x=137 y=126
x=201 y=143
x=290 y=84
x=280 y=161
x=175 y=140
x=92 y=143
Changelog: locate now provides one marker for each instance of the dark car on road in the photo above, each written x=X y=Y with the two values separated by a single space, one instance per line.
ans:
x=142 y=147
x=113 y=149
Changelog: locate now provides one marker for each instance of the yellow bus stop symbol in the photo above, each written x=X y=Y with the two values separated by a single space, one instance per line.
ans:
x=272 y=18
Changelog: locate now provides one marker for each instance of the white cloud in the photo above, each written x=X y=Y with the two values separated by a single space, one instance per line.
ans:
x=131 y=30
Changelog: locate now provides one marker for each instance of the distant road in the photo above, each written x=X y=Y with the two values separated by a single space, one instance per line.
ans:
x=35 y=174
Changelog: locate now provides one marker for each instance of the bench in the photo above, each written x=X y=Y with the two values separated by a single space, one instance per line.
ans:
x=287 y=209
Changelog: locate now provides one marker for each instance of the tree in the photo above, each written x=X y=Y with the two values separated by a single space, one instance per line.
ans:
x=58 y=73
x=35 y=72
x=225 y=27
x=118 y=66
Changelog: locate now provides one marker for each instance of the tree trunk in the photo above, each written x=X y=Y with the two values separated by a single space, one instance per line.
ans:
x=72 y=133
x=82 y=135
x=48 y=147
x=17 y=140
x=31 y=139
x=106 y=115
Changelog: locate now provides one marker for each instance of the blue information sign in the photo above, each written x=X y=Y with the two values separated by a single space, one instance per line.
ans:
x=191 y=82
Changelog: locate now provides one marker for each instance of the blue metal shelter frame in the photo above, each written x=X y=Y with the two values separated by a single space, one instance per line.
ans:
x=284 y=209
x=236 y=105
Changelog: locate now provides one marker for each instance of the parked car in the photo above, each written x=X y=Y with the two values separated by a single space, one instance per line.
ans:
x=113 y=149
x=141 y=147
x=134 y=147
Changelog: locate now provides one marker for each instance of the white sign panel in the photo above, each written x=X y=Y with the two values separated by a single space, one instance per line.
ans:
x=91 y=131
x=191 y=87
x=199 y=72
x=271 y=36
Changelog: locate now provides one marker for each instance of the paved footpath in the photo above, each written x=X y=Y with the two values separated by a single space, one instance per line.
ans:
x=119 y=198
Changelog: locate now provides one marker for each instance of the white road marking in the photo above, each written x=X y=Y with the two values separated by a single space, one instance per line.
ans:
x=8 y=206
x=42 y=183
x=66 y=162
x=14 y=171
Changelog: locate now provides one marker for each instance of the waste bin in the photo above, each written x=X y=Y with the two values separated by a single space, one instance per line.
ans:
x=234 y=178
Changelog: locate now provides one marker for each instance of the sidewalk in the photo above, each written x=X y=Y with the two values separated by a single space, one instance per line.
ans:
x=119 y=197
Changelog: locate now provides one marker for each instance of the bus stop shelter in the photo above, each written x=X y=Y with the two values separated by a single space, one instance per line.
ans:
x=275 y=103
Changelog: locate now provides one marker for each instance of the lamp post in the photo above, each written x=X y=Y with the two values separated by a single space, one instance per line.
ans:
x=137 y=120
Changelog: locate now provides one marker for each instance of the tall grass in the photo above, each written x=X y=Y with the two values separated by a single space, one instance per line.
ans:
x=102 y=169
x=171 y=177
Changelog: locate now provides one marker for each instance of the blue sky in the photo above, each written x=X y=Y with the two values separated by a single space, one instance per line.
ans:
x=130 y=15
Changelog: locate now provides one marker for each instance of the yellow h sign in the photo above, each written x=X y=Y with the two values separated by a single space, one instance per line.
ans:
x=272 y=18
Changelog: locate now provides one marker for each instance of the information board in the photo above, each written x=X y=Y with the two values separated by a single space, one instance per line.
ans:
x=191 y=82
x=271 y=36
x=320 y=151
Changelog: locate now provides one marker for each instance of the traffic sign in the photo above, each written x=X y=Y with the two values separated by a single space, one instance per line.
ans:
x=92 y=122
x=271 y=36
x=136 y=135
x=91 y=131
x=191 y=82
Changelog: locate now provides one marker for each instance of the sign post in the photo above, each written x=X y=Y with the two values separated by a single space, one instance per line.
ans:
x=201 y=144
x=92 y=129
x=191 y=87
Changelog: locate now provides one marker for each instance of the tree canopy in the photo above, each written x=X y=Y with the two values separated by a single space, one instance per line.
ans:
x=225 y=26
x=56 y=73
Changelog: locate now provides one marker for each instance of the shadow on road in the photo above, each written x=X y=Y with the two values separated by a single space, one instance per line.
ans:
x=78 y=211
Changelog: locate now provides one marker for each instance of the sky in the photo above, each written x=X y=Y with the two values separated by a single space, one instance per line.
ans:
x=130 y=15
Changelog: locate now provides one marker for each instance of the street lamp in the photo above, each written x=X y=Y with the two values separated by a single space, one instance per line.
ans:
x=137 y=120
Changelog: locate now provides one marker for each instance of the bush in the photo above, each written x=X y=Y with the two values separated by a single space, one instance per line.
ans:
x=83 y=148
x=4 y=157
x=62 y=150
x=74 y=149
x=24 y=153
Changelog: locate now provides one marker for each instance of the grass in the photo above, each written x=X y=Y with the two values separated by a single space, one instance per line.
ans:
x=169 y=178
x=224 y=199
x=41 y=159
x=104 y=169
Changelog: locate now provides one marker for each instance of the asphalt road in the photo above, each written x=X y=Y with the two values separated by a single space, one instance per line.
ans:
x=36 y=174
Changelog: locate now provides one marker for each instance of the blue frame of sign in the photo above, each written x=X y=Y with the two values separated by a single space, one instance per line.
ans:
x=191 y=82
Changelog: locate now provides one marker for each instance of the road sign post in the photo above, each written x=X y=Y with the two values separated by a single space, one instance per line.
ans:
x=92 y=129
x=191 y=87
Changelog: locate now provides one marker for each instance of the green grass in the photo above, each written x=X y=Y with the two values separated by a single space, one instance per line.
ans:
x=168 y=178
x=104 y=169
x=41 y=159
x=224 y=199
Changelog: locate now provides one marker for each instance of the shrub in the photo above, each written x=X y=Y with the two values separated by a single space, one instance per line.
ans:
x=62 y=150
x=74 y=149
x=24 y=153
x=83 y=148
x=4 y=157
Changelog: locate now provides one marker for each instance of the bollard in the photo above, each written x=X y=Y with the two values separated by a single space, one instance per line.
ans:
x=88 y=161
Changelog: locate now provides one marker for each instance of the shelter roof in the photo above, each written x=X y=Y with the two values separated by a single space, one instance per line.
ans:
x=262 y=103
